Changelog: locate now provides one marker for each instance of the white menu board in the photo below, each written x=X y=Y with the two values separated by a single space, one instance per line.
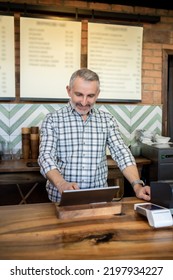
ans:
x=114 y=52
x=7 y=58
x=50 y=52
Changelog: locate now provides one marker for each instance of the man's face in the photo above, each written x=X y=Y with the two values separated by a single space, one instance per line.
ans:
x=83 y=95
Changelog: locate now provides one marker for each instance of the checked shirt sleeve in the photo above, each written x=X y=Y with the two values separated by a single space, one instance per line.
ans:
x=118 y=149
x=47 y=154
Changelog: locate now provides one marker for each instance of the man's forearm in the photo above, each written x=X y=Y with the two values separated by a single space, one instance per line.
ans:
x=55 y=178
x=59 y=182
x=131 y=173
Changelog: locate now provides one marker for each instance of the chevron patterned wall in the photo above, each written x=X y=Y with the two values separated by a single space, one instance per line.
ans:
x=129 y=117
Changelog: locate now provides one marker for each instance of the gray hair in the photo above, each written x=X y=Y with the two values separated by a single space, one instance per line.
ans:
x=85 y=74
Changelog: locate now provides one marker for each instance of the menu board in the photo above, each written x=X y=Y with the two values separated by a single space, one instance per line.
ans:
x=114 y=52
x=50 y=52
x=7 y=58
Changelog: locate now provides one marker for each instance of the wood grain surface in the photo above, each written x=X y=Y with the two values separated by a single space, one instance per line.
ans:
x=33 y=231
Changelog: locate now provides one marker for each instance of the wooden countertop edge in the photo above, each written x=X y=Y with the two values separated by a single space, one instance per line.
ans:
x=12 y=166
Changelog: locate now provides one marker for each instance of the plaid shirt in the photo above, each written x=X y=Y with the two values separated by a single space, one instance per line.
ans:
x=77 y=148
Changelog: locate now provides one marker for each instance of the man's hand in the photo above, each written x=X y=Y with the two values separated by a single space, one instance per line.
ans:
x=64 y=185
x=142 y=192
x=58 y=181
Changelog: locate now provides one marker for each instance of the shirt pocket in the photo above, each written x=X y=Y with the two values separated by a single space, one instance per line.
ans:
x=98 y=141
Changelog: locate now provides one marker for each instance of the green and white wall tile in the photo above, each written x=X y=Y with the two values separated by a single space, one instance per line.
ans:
x=122 y=115
x=129 y=117
x=145 y=117
x=4 y=121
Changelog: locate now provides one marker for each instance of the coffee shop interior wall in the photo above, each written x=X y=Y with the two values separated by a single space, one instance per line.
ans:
x=147 y=114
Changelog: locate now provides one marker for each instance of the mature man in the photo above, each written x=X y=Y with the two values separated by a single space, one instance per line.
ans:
x=74 y=140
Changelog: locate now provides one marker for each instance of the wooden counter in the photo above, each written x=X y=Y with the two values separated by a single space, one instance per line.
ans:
x=17 y=172
x=140 y=161
x=13 y=166
x=34 y=232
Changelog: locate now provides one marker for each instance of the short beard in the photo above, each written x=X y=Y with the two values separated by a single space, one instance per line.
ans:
x=82 y=114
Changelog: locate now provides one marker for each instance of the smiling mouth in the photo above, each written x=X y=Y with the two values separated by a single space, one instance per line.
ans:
x=81 y=107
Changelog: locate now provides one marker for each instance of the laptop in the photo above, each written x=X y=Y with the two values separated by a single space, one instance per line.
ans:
x=88 y=196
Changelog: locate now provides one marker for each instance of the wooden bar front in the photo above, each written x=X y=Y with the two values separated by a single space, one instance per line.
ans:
x=33 y=231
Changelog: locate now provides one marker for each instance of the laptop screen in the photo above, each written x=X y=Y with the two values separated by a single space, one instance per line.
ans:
x=87 y=196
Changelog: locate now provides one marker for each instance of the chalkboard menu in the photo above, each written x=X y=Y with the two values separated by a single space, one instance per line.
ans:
x=50 y=51
x=7 y=58
x=114 y=52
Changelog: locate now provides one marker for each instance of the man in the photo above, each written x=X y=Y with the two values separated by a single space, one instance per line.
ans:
x=74 y=140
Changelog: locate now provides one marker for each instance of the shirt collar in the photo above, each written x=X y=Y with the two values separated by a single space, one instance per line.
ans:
x=70 y=108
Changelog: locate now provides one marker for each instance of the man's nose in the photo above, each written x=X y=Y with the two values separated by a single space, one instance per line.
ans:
x=84 y=101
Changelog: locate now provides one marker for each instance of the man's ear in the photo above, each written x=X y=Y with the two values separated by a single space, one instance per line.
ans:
x=68 y=90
